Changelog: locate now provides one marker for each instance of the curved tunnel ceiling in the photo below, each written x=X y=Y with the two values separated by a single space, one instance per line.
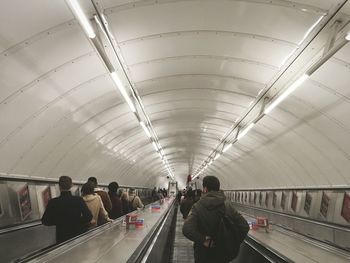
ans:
x=198 y=67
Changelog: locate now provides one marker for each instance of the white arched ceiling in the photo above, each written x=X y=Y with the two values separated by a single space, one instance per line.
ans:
x=197 y=66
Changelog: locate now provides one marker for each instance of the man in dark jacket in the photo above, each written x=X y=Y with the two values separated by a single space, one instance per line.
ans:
x=204 y=220
x=68 y=213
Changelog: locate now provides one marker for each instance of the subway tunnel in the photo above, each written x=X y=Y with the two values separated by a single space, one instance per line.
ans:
x=161 y=93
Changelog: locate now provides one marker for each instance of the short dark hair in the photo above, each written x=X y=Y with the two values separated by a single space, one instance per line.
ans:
x=65 y=183
x=113 y=187
x=211 y=182
x=93 y=180
x=87 y=188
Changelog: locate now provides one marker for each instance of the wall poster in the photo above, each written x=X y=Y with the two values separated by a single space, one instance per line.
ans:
x=283 y=200
x=254 y=199
x=267 y=199
x=294 y=202
x=345 y=212
x=324 y=204
x=46 y=196
x=307 y=205
x=25 y=206
x=274 y=199
x=260 y=198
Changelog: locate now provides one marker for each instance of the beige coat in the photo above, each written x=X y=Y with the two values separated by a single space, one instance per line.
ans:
x=137 y=203
x=95 y=205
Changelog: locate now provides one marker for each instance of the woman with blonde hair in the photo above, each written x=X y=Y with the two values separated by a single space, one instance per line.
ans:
x=95 y=205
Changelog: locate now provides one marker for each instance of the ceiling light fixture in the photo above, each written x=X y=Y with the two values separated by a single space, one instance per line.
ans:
x=122 y=90
x=83 y=20
x=286 y=93
x=217 y=156
x=228 y=146
x=143 y=125
x=347 y=37
x=245 y=131
x=155 y=146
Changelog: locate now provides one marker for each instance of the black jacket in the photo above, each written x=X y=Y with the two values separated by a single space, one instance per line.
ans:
x=69 y=214
x=204 y=221
x=185 y=206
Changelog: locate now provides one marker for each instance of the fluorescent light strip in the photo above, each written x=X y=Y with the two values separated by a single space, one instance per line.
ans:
x=83 y=20
x=285 y=94
x=228 y=146
x=143 y=125
x=310 y=29
x=347 y=37
x=217 y=156
x=155 y=146
x=122 y=90
x=245 y=131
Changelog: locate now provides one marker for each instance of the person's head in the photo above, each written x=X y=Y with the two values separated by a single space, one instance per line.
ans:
x=93 y=180
x=211 y=183
x=131 y=191
x=87 y=189
x=65 y=183
x=113 y=187
x=124 y=196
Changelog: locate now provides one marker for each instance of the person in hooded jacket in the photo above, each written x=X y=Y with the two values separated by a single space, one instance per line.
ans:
x=95 y=205
x=204 y=220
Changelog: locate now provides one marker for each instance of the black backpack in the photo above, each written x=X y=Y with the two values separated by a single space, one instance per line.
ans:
x=229 y=234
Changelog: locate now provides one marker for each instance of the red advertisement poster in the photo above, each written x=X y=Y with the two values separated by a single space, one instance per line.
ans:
x=345 y=212
x=324 y=204
x=294 y=201
x=308 y=200
x=46 y=195
x=25 y=206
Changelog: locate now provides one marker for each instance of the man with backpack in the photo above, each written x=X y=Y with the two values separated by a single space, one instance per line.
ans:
x=214 y=225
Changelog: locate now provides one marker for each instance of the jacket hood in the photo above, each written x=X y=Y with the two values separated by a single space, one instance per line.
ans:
x=89 y=198
x=213 y=200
